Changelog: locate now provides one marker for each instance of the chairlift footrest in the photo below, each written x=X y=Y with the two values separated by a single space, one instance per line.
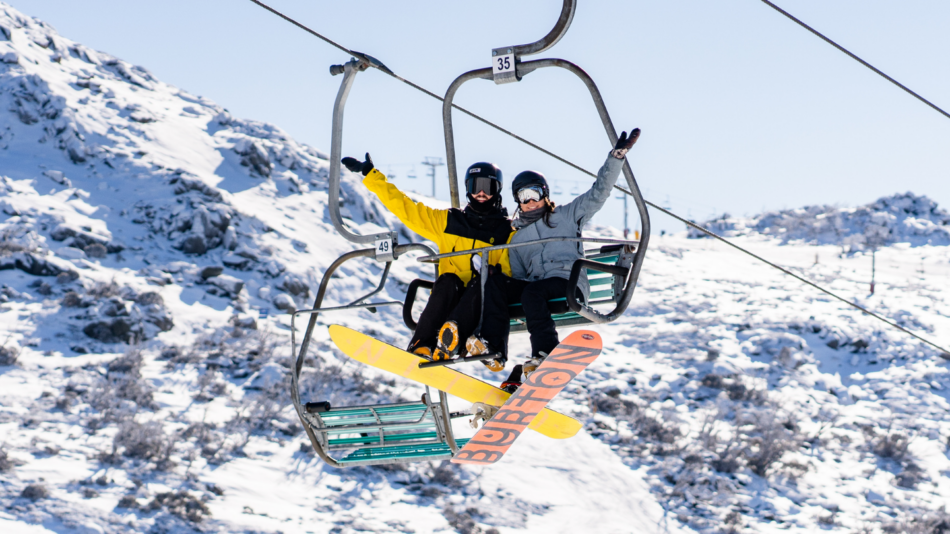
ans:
x=453 y=361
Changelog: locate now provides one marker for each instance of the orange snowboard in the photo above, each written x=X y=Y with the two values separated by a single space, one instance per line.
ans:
x=564 y=363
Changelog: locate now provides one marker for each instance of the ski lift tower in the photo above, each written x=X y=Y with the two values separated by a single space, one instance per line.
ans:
x=432 y=163
x=626 y=228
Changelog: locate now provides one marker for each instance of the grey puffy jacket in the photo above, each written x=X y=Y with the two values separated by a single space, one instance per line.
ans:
x=537 y=262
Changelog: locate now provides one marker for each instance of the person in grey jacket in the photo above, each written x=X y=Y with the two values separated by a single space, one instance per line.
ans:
x=540 y=272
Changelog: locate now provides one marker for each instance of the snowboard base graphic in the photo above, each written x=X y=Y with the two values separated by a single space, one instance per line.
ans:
x=564 y=363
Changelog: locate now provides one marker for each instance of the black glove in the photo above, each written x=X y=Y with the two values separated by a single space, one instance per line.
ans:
x=355 y=165
x=625 y=143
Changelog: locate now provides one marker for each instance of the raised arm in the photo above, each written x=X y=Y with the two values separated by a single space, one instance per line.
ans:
x=421 y=219
x=587 y=204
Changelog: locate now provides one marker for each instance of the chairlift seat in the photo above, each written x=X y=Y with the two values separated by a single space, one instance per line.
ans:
x=604 y=289
x=381 y=434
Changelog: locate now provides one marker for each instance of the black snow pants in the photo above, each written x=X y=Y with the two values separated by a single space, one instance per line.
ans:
x=502 y=291
x=469 y=308
x=443 y=299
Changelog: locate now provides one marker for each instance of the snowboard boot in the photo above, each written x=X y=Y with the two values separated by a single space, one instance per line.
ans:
x=531 y=365
x=496 y=364
x=421 y=351
x=448 y=344
x=514 y=380
x=476 y=346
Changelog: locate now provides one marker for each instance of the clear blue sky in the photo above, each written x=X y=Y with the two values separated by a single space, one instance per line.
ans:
x=741 y=109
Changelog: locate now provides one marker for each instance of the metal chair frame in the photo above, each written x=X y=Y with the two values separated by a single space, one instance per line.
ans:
x=386 y=250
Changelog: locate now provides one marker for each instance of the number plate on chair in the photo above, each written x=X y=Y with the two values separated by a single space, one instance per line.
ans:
x=503 y=65
x=384 y=249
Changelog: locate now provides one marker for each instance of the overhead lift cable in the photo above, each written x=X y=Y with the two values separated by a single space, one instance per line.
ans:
x=856 y=58
x=944 y=353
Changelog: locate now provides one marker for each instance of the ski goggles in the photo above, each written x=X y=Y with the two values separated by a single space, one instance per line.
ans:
x=530 y=193
x=482 y=184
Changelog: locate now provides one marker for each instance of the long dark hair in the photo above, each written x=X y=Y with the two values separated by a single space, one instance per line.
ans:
x=549 y=209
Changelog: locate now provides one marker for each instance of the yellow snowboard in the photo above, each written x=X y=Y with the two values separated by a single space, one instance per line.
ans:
x=365 y=349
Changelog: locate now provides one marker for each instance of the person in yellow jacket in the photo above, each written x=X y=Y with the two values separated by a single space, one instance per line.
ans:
x=484 y=222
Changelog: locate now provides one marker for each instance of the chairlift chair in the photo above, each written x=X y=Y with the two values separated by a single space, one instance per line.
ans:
x=421 y=431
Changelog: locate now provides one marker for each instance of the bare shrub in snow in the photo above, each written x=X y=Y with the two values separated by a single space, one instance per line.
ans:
x=446 y=474
x=921 y=522
x=181 y=504
x=6 y=463
x=7 y=246
x=726 y=449
x=95 y=250
x=9 y=354
x=712 y=380
x=735 y=387
x=771 y=435
x=892 y=445
x=757 y=439
x=102 y=290
x=145 y=441
x=72 y=300
x=609 y=402
x=733 y=521
x=210 y=386
x=462 y=522
x=128 y=501
x=125 y=377
x=67 y=277
x=260 y=413
x=35 y=492
x=652 y=431
x=910 y=476
x=209 y=442
x=150 y=297
x=121 y=392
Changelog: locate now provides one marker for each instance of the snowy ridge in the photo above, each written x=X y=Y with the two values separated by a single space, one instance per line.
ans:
x=900 y=218
x=145 y=231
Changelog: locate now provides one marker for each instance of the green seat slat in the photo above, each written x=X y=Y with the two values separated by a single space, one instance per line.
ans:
x=366 y=412
x=604 y=293
x=401 y=452
x=595 y=279
x=375 y=439
x=417 y=426
x=370 y=420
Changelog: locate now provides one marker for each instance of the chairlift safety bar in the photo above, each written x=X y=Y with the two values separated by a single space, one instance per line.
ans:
x=436 y=257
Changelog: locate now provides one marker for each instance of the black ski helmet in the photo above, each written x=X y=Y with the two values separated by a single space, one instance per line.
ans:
x=528 y=178
x=475 y=180
x=484 y=169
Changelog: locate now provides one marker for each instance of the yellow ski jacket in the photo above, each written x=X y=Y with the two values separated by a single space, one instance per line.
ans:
x=452 y=229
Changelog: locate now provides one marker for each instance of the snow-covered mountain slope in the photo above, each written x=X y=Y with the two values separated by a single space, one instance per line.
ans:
x=143 y=389
x=901 y=218
x=145 y=231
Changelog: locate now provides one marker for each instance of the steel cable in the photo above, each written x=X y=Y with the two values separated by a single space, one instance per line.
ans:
x=856 y=58
x=944 y=352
